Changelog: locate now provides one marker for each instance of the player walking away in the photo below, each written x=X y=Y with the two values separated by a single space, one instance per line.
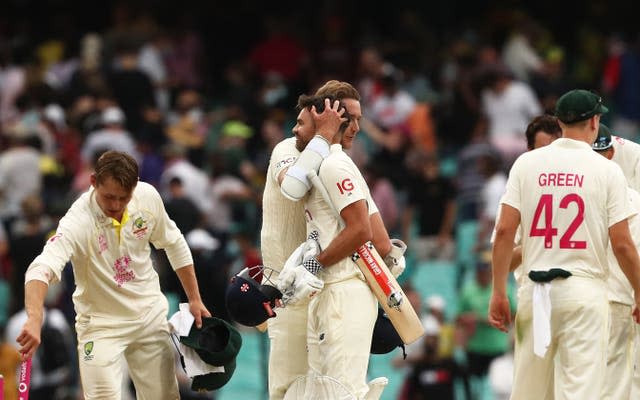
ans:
x=622 y=330
x=569 y=201
x=120 y=309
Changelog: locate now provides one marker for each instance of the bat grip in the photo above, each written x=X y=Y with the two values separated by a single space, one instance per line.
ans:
x=25 y=380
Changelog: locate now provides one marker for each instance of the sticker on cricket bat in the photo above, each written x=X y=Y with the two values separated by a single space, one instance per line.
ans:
x=389 y=293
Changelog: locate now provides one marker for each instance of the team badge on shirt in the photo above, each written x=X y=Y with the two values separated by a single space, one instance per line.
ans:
x=139 y=227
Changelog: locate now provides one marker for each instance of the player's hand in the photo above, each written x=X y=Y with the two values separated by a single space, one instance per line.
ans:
x=199 y=311
x=395 y=259
x=29 y=337
x=299 y=286
x=636 y=313
x=500 y=312
x=328 y=122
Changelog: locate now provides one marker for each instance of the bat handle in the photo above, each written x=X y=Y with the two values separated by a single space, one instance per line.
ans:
x=395 y=300
x=25 y=380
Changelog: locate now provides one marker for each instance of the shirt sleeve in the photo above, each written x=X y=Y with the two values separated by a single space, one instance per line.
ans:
x=342 y=183
x=47 y=267
x=166 y=234
x=283 y=156
x=618 y=206
x=512 y=195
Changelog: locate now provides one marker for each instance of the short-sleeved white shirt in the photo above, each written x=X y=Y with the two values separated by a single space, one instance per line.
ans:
x=283 y=224
x=568 y=197
x=113 y=271
x=345 y=185
x=627 y=155
x=620 y=289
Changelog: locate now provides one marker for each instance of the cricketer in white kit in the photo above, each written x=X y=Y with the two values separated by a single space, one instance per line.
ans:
x=106 y=234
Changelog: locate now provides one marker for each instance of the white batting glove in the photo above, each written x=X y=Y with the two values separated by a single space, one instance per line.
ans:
x=395 y=259
x=297 y=280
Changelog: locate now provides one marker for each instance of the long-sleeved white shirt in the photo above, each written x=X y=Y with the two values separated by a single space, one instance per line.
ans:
x=111 y=261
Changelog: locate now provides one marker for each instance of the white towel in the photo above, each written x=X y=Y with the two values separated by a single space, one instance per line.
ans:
x=541 y=318
x=180 y=324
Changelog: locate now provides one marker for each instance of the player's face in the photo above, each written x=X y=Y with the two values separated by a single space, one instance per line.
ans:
x=304 y=130
x=354 y=109
x=542 y=139
x=111 y=197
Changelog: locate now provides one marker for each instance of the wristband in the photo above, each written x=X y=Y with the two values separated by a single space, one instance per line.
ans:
x=312 y=265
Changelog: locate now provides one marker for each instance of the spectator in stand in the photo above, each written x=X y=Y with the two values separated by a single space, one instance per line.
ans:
x=181 y=209
x=112 y=136
x=20 y=174
x=508 y=106
x=483 y=343
x=194 y=180
x=394 y=105
x=187 y=125
x=494 y=187
x=431 y=205
x=131 y=87
x=383 y=195
x=621 y=81
x=29 y=233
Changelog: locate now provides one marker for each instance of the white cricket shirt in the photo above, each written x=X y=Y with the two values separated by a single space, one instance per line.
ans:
x=345 y=185
x=283 y=224
x=568 y=197
x=113 y=270
x=627 y=155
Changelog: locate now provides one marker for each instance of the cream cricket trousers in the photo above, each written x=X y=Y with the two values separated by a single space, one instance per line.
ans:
x=574 y=364
x=620 y=362
x=147 y=349
x=341 y=320
x=635 y=385
x=288 y=348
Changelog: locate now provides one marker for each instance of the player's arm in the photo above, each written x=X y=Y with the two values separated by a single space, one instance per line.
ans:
x=29 y=337
x=357 y=231
x=293 y=180
x=499 y=311
x=189 y=283
x=380 y=236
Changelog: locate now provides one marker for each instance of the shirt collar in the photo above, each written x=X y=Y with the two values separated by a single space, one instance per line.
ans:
x=335 y=147
x=571 y=144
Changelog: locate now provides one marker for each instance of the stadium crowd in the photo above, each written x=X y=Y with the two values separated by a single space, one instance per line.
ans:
x=445 y=110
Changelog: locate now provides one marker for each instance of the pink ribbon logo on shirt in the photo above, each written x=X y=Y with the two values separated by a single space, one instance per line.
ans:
x=123 y=273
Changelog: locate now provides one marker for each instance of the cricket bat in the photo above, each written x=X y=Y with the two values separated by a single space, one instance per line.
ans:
x=25 y=380
x=382 y=283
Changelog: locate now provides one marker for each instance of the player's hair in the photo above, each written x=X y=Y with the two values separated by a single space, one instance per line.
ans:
x=546 y=123
x=339 y=89
x=119 y=166
x=306 y=101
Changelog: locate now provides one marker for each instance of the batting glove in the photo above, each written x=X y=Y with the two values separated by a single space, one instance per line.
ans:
x=395 y=259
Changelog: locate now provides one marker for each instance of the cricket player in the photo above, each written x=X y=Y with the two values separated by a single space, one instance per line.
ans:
x=569 y=202
x=342 y=315
x=283 y=229
x=622 y=330
x=106 y=234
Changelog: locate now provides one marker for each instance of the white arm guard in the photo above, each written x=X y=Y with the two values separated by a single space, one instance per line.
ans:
x=295 y=184
x=395 y=259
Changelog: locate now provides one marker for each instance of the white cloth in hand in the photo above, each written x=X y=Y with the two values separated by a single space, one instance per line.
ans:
x=541 y=318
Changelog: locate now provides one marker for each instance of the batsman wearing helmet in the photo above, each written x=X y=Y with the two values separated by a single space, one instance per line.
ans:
x=569 y=202
x=121 y=312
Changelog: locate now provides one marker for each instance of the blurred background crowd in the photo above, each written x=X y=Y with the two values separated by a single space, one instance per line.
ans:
x=201 y=93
